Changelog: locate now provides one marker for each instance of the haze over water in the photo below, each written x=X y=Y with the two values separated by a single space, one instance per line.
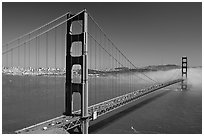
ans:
x=31 y=99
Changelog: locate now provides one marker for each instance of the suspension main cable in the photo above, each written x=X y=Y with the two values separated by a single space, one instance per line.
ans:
x=117 y=48
x=36 y=29
x=110 y=54
x=45 y=31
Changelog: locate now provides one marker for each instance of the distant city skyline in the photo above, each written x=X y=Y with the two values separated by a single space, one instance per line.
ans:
x=147 y=33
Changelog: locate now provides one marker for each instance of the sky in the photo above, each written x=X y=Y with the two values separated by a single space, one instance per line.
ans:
x=147 y=33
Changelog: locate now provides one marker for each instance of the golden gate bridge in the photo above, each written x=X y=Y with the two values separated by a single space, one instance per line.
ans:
x=75 y=46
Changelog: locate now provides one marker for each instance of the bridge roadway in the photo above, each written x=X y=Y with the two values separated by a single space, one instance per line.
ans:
x=97 y=110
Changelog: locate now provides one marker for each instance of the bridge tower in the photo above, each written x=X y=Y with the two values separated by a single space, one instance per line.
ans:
x=184 y=73
x=82 y=87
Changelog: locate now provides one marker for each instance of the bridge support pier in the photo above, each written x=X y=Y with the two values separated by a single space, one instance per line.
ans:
x=184 y=73
x=81 y=88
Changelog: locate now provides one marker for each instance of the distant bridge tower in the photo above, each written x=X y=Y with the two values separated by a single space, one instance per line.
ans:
x=82 y=87
x=184 y=73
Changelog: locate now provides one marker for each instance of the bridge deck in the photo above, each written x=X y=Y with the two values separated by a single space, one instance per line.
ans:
x=69 y=122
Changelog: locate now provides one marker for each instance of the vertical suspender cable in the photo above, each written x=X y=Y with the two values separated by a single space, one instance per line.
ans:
x=38 y=62
x=46 y=63
x=95 y=68
x=62 y=50
x=18 y=53
x=117 y=74
x=120 y=76
x=112 y=77
x=24 y=80
x=29 y=52
x=55 y=57
x=7 y=65
x=99 y=67
x=12 y=58
x=25 y=56
x=29 y=70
